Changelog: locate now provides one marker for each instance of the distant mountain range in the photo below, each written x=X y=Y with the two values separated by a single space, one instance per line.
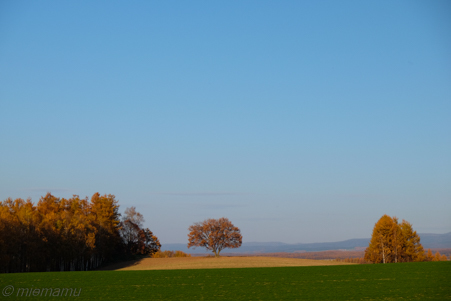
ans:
x=428 y=240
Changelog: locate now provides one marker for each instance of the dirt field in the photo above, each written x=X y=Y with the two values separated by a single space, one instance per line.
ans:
x=175 y=263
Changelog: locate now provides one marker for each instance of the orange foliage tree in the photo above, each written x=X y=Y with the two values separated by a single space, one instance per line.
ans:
x=394 y=242
x=59 y=234
x=214 y=235
x=437 y=257
x=429 y=256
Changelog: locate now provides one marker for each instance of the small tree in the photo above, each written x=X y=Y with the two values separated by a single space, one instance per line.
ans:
x=214 y=235
x=137 y=240
x=429 y=256
x=437 y=256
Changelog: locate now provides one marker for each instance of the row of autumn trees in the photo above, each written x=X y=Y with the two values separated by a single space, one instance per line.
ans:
x=59 y=234
x=394 y=242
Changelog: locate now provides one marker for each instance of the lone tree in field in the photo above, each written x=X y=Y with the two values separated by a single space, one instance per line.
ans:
x=394 y=242
x=214 y=235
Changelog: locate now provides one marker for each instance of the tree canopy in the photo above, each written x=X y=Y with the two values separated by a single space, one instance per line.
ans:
x=394 y=242
x=137 y=240
x=214 y=235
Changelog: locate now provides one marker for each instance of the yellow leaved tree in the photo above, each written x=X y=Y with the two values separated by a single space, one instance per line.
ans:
x=394 y=242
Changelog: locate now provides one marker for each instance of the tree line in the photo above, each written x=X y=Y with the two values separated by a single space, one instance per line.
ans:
x=73 y=234
x=436 y=257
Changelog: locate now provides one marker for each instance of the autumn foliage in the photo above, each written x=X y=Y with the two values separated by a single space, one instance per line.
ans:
x=170 y=254
x=436 y=257
x=394 y=242
x=214 y=235
x=59 y=234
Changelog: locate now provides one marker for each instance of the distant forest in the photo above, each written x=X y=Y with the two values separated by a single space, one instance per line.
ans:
x=72 y=234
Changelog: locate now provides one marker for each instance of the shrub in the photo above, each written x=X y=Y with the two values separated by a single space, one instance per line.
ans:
x=168 y=254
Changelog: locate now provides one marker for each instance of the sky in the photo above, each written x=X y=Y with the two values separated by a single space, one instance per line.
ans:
x=299 y=121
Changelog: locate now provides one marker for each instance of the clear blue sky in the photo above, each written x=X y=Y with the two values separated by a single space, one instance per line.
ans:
x=300 y=121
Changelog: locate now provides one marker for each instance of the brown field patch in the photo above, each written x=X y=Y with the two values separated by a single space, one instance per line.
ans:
x=175 y=263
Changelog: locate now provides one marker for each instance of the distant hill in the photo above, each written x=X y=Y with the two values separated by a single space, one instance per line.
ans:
x=428 y=240
x=435 y=241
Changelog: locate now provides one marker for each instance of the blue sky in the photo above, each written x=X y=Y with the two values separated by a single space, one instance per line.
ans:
x=299 y=121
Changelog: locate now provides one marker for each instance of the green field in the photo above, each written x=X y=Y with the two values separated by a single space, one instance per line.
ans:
x=408 y=281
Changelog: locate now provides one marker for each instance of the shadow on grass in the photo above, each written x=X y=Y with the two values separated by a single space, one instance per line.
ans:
x=122 y=264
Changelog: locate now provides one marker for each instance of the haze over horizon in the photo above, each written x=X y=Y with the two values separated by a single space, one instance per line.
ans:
x=299 y=121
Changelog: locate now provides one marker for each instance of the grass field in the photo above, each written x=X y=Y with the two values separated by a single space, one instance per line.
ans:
x=408 y=281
